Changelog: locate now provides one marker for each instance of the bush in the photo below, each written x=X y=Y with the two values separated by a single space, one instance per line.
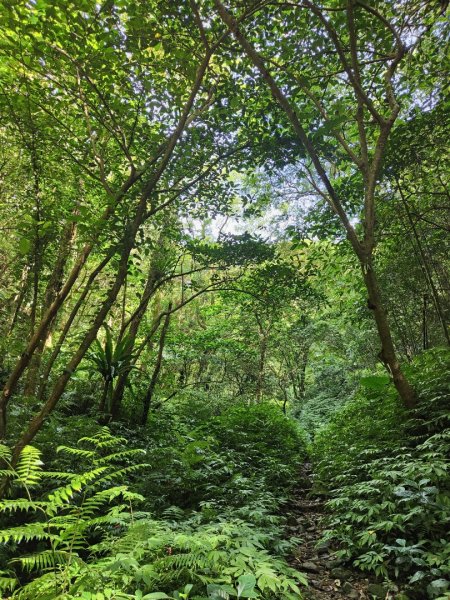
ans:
x=265 y=439
x=389 y=480
x=374 y=420
x=83 y=539
x=46 y=539
x=202 y=560
x=248 y=452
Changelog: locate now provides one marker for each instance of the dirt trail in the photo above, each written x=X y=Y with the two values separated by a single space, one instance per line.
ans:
x=328 y=577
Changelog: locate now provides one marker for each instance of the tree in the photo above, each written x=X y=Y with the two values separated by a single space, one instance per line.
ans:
x=77 y=83
x=343 y=38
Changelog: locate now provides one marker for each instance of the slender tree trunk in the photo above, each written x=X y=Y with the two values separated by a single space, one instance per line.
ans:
x=61 y=383
x=157 y=369
x=53 y=287
x=104 y=396
x=39 y=332
x=425 y=266
x=285 y=400
x=302 y=373
x=68 y=324
x=425 y=323
x=37 y=247
x=151 y=286
x=49 y=315
x=261 y=365
x=387 y=355
x=408 y=344
x=19 y=298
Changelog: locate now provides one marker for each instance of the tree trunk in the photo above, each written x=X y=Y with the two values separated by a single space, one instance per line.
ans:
x=387 y=355
x=302 y=373
x=285 y=401
x=68 y=324
x=53 y=287
x=151 y=286
x=425 y=323
x=38 y=334
x=425 y=266
x=50 y=314
x=104 y=396
x=363 y=249
x=261 y=365
x=157 y=369
x=19 y=298
x=60 y=385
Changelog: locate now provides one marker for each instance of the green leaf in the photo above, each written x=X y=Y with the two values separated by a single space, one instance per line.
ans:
x=24 y=246
x=246 y=586
x=375 y=382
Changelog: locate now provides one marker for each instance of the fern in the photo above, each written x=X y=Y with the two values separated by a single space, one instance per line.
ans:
x=61 y=523
x=5 y=453
x=29 y=467
x=31 y=531
x=7 y=583
x=22 y=504
x=48 y=559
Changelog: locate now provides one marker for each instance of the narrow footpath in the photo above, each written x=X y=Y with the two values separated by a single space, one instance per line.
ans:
x=328 y=577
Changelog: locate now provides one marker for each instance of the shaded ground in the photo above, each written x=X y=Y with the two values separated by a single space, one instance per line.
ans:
x=328 y=577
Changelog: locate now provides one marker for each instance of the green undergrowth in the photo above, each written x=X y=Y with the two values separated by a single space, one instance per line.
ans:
x=387 y=474
x=191 y=514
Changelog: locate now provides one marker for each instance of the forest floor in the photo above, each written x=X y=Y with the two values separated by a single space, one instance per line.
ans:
x=328 y=577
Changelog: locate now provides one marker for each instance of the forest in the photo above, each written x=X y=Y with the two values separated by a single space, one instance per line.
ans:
x=224 y=300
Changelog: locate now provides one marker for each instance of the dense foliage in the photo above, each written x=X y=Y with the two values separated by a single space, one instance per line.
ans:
x=204 y=524
x=390 y=480
x=224 y=258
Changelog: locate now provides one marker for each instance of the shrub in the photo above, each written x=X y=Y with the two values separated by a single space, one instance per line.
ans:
x=390 y=483
x=265 y=439
x=47 y=539
x=248 y=452
x=83 y=539
x=373 y=420
x=209 y=560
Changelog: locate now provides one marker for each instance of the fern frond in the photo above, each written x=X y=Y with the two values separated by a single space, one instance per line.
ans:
x=116 y=517
x=103 y=439
x=45 y=587
x=132 y=496
x=63 y=495
x=5 y=453
x=7 y=582
x=29 y=467
x=5 y=472
x=110 y=477
x=78 y=452
x=58 y=475
x=31 y=531
x=119 y=455
x=48 y=559
x=22 y=504
x=94 y=503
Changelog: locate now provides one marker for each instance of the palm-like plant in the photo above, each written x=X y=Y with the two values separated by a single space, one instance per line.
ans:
x=111 y=360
